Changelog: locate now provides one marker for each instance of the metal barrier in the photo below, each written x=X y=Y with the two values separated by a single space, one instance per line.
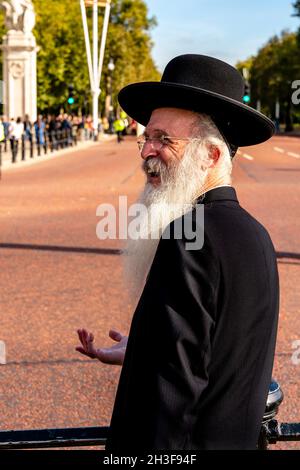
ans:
x=53 y=140
x=45 y=438
x=271 y=431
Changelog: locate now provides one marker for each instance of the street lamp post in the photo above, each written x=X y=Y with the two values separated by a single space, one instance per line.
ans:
x=94 y=65
x=108 y=101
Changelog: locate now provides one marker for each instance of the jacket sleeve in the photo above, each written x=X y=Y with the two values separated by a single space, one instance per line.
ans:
x=183 y=288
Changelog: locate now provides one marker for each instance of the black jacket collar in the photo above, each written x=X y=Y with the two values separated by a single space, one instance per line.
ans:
x=224 y=193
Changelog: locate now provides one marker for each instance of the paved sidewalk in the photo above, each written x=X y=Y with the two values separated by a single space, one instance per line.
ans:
x=81 y=145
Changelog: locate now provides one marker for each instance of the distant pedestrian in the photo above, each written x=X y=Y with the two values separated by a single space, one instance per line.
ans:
x=75 y=121
x=28 y=128
x=111 y=119
x=119 y=127
x=39 y=127
x=52 y=131
x=16 y=129
x=277 y=125
x=105 y=125
x=6 y=126
x=2 y=133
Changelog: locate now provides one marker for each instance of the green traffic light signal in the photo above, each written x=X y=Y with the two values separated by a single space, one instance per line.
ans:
x=71 y=99
x=246 y=99
x=247 y=93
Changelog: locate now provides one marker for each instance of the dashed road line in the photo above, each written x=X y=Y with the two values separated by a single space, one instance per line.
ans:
x=292 y=154
x=247 y=156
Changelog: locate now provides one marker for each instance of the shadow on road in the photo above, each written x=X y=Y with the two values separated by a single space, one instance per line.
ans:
x=71 y=249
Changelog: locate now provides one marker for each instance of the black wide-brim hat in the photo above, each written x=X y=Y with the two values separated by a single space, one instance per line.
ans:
x=205 y=85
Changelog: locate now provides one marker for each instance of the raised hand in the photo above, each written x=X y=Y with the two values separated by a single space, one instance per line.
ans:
x=113 y=355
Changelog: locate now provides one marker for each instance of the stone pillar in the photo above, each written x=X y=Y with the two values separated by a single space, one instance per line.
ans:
x=19 y=75
x=19 y=60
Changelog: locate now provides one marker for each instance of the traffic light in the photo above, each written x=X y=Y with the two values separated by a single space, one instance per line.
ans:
x=247 y=94
x=71 y=99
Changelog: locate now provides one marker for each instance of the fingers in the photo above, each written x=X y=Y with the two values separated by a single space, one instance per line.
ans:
x=85 y=337
x=81 y=350
x=115 y=335
x=112 y=355
x=82 y=336
x=86 y=340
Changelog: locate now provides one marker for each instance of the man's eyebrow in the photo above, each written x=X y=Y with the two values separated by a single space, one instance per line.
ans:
x=156 y=131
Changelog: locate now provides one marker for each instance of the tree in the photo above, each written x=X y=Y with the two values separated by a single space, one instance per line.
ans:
x=272 y=72
x=296 y=6
x=61 y=58
x=129 y=44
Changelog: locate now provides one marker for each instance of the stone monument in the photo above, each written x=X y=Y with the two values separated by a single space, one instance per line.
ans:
x=19 y=60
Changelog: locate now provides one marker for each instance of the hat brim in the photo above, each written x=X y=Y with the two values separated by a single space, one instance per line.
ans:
x=241 y=124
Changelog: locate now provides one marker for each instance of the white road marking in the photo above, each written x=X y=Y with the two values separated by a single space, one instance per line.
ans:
x=278 y=149
x=2 y=353
x=248 y=156
x=295 y=155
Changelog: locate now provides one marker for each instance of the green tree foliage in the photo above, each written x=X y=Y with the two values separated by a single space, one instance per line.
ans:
x=296 y=6
x=129 y=44
x=271 y=73
x=62 y=55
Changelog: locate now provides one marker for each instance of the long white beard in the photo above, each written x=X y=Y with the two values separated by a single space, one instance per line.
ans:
x=180 y=187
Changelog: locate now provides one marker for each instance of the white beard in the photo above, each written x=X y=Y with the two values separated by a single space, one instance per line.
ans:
x=181 y=185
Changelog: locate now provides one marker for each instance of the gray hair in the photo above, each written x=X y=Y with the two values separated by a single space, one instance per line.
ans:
x=205 y=128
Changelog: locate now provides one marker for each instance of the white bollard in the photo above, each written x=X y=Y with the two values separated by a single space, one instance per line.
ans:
x=2 y=352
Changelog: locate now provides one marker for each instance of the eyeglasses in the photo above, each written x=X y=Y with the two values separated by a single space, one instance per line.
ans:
x=159 y=142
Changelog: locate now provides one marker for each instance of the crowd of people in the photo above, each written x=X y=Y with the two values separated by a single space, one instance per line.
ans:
x=76 y=127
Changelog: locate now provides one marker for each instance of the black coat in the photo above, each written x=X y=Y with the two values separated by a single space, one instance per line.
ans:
x=201 y=346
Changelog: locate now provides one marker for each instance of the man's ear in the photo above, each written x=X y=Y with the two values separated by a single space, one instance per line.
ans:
x=214 y=154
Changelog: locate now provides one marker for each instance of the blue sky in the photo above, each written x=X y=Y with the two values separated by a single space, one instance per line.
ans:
x=230 y=30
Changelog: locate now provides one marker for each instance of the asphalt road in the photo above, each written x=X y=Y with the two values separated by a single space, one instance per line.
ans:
x=57 y=276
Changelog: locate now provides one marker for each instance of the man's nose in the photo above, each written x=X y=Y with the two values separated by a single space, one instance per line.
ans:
x=149 y=151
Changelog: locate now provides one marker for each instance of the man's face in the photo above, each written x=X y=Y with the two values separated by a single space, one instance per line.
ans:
x=170 y=122
x=181 y=169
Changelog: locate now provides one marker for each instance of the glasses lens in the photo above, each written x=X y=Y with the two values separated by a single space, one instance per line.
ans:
x=141 y=143
x=156 y=143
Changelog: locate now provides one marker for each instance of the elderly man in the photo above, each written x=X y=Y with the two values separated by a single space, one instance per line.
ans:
x=200 y=352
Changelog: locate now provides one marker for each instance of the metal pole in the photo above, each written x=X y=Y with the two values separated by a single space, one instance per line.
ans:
x=23 y=147
x=31 y=146
x=95 y=67
x=96 y=90
x=103 y=39
x=87 y=43
x=258 y=105
x=277 y=110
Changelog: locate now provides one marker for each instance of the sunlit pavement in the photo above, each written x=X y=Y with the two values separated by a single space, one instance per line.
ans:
x=51 y=284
